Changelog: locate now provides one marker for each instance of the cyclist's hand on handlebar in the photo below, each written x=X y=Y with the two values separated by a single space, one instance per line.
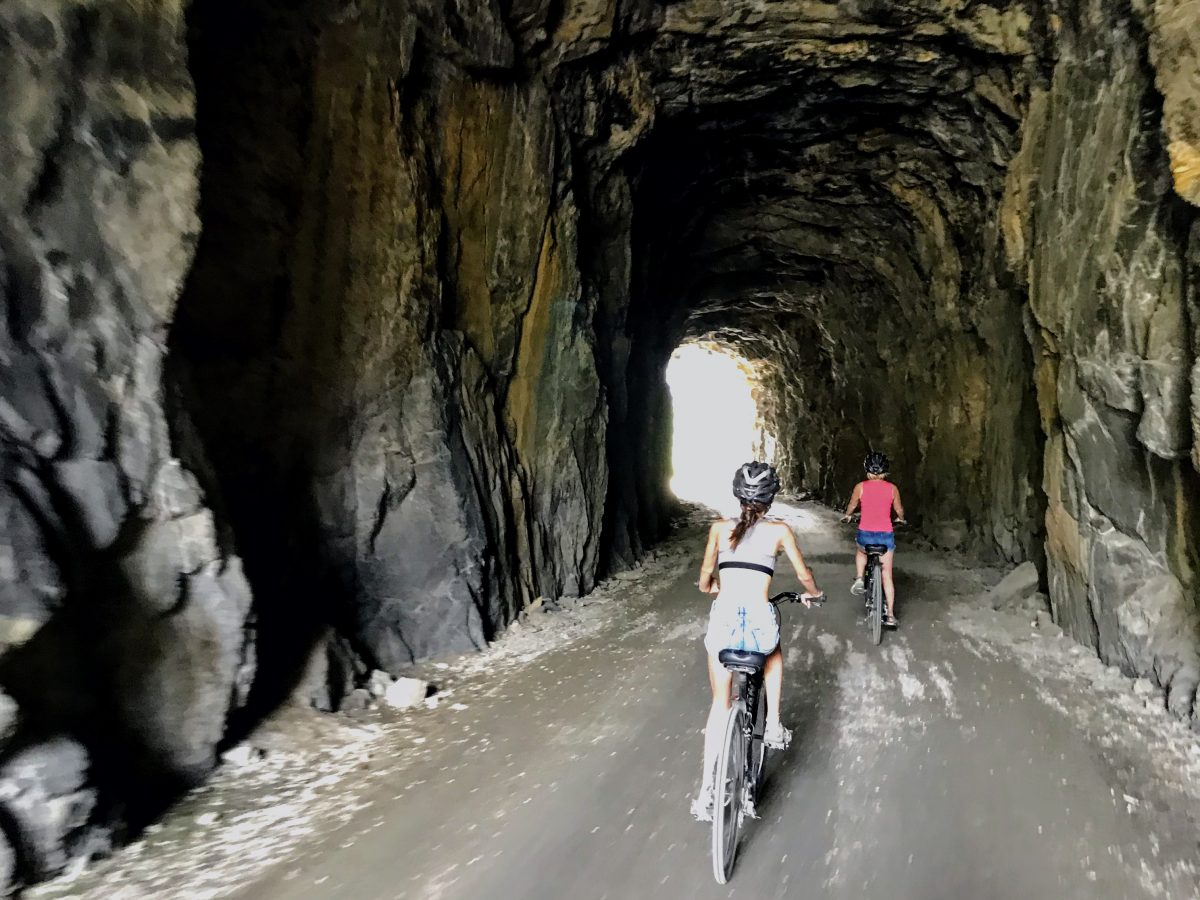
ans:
x=810 y=600
x=846 y=518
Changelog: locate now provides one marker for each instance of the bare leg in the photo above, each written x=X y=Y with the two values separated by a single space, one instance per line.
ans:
x=889 y=589
x=720 y=679
x=773 y=681
x=860 y=560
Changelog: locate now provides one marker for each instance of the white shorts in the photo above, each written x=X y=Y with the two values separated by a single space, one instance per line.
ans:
x=734 y=625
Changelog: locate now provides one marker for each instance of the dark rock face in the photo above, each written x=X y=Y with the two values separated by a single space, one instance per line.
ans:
x=1103 y=240
x=122 y=613
x=382 y=295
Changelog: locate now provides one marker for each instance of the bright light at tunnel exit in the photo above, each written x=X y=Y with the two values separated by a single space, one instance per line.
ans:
x=717 y=425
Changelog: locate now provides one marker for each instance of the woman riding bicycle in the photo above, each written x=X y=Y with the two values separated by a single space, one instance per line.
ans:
x=878 y=498
x=741 y=617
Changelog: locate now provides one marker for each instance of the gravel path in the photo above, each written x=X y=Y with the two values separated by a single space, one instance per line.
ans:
x=971 y=756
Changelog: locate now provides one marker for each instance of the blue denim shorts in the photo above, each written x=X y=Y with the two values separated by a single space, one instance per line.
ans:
x=887 y=538
x=742 y=626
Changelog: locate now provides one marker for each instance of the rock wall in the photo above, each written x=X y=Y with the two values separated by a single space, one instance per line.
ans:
x=123 y=610
x=1106 y=245
x=388 y=338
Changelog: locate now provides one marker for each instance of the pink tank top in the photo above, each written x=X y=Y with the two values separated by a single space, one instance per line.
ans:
x=876 y=501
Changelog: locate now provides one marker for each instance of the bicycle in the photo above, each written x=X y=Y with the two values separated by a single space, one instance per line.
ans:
x=873 y=587
x=742 y=760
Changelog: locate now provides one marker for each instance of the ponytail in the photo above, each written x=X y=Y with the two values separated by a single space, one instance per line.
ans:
x=751 y=513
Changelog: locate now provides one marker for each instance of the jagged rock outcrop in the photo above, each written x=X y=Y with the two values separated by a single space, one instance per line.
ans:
x=122 y=612
x=378 y=298
x=1101 y=239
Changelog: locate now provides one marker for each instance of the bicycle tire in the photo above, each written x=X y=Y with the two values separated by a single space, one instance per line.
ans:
x=727 y=795
x=876 y=606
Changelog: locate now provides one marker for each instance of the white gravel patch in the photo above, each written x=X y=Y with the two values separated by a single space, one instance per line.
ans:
x=1155 y=757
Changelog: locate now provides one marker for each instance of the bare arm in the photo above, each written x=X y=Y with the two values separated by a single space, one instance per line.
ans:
x=855 y=496
x=802 y=571
x=708 y=583
x=897 y=504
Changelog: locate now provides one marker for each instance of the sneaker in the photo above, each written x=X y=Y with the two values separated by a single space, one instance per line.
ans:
x=777 y=737
x=857 y=587
x=702 y=805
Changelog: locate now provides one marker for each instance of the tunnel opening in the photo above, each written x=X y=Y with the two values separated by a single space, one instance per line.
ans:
x=716 y=421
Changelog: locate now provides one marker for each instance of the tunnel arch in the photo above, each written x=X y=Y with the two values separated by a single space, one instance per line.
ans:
x=379 y=298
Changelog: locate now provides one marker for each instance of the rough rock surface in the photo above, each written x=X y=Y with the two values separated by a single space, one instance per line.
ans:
x=1015 y=588
x=122 y=614
x=380 y=296
x=1097 y=233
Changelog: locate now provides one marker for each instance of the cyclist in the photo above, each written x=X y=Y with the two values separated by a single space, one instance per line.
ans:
x=878 y=498
x=743 y=550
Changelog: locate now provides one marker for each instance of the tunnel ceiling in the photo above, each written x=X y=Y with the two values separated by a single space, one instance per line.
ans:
x=828 y=161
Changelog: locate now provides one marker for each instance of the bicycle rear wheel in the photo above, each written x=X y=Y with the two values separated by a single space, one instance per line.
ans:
x=727 y=795
x=876 y=605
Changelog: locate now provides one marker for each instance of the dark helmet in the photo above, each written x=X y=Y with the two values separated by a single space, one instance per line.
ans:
x=756 y=482
x=876 y=463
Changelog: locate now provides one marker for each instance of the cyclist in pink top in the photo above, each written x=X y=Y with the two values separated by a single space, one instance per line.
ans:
x=878 y=497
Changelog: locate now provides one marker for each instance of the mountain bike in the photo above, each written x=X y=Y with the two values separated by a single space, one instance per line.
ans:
x=742 y=760
x=875 y=603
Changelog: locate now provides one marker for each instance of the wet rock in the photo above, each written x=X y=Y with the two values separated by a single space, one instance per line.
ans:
x=9 y=712
x=949 y=535
x=357 y=700
x=242 y=755
x=1015 y=588
x=8 y=865
x=1144 y=687
x=405 y=693
x=43 y=795
x=1044 y=622
x=378 y=683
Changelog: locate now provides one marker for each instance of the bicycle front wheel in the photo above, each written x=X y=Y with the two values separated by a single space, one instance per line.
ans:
x=727 y=795
x=877 y=606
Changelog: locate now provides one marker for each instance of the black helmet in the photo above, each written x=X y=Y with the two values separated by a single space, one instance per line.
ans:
x=876 y=463
x=756 y=482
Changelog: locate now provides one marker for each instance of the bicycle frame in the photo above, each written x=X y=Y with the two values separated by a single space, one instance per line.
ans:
x=748 y=689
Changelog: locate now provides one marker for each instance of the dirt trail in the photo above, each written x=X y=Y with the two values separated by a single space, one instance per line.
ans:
x=968 y=757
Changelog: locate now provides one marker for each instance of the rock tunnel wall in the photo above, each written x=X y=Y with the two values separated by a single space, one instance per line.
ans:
x=378 y=298
x=389 y=341
x=1098 y=232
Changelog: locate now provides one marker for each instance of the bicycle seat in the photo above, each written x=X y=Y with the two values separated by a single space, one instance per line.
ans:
x=742 y=660
x=876 y=548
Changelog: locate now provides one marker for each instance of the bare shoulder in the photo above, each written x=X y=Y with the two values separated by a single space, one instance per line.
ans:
x=781 y=528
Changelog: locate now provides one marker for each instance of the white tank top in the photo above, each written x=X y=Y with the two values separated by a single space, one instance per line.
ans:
x=756 y=550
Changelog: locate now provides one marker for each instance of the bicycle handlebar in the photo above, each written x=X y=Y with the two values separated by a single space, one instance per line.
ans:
x=854 y=520
x=795 y=597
